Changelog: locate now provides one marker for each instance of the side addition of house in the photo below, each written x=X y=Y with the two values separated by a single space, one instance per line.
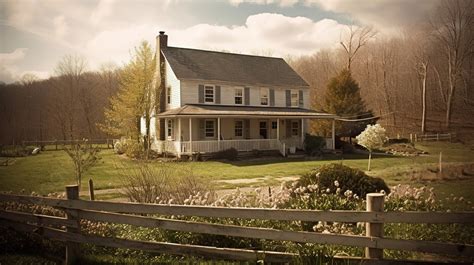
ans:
x=214 y=101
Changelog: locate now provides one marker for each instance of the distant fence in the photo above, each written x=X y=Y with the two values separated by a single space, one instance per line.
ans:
x=114 y=212
x=57 y=144
x=433 y=137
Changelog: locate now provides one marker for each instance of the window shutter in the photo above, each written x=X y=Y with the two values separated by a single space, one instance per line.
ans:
x=201 y=93
x=300 y=98
x=201 y=129
x=218 y=95
x=272 y=97
x=288 y=98
x=247 y=129
x=247 y=96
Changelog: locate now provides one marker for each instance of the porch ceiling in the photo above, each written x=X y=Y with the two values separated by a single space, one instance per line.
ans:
x=203 y=110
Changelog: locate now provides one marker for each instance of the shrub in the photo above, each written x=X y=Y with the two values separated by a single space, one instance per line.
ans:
x=398 y=141
x=163 y=183
x=346 y=178
x=229 y=154
x=313 y=144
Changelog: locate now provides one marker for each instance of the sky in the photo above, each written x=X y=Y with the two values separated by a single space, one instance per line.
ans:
x=36 y=34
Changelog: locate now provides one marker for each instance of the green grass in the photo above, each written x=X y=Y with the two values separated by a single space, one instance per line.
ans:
x=52 y=170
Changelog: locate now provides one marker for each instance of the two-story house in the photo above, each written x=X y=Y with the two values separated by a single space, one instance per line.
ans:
x=216 y=100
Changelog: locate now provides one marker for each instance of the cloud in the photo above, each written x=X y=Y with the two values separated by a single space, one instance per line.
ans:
x=266 y=33
x=9 y=71
x=60 y=27
x=282 y=3
x=103 y=10
x=384 y=14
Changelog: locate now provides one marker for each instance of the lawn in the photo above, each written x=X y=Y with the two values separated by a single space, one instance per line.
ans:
x=52 y=170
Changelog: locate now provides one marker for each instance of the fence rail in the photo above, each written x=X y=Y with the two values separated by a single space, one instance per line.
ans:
x=432 y=137
x=125 y=213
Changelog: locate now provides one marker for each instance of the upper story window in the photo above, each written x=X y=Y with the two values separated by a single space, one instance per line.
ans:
x=295 y=98
x=238 y=96
x=264 y=96
x=209 y=94
x=168 y=95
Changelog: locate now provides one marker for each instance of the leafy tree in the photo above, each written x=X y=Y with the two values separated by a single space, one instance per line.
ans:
x=136 y=97
x=343 y=98
x=84 y=156
x=371 y=138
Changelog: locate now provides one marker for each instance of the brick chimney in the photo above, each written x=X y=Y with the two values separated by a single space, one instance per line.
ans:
x=161 y=44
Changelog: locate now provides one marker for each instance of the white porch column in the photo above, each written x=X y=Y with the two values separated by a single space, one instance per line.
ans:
x=302 y=131
x=333 y=134
x=278 y=128
x=179 y=137
x=219 y=133
x=166 y=129
x=191 y=135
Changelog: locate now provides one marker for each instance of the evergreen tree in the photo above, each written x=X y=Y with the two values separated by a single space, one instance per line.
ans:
x=343 y=98
x=135 y=98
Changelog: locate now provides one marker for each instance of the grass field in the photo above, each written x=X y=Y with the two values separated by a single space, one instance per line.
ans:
x=52 y=170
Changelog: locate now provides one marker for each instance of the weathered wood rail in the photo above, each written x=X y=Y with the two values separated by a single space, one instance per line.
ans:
x=58 y=144
x=125 y=213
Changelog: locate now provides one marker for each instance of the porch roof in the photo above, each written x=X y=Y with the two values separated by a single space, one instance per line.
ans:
x=204 y=110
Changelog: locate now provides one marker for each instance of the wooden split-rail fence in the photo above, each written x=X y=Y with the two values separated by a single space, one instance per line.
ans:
x=136 y=214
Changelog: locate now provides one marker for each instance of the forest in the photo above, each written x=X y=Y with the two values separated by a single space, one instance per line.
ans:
x=417 y=80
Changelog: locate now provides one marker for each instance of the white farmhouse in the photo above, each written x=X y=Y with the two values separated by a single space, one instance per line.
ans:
x=214 y=101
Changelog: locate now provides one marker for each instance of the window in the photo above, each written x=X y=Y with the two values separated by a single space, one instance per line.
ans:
x=295 y=99
x=168 y=95
x=209 y=128
x=295 y=128
x=239 y=96
x=274 y=125
x=239 y=128
x=170 y=129
x=264 y=96
x=209 y=94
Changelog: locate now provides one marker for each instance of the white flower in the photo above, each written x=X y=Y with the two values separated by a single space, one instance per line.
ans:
x=328 y=190
x=336 y=183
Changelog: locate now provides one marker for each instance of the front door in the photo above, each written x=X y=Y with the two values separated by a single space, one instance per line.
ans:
x=263 y=130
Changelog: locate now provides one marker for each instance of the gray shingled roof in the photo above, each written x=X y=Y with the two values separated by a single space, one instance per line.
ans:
x=230 y=67
x=226 y=110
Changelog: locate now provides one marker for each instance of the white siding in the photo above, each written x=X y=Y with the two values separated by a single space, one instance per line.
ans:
x=190 y=94
x=172 y=80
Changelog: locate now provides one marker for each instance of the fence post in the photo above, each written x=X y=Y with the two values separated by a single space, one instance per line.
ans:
x=72 y=249
x=411 y=138
x=56 y=144
x=374 y=204
x=437 y=137
x=91 y=190
x=440 y=163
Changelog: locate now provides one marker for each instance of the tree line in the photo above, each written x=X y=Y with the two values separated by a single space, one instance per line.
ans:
x=420 y=80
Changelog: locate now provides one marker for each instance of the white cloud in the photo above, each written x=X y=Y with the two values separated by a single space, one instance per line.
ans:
x=103 y=10
x=282 y=3
x=273 y=34
x=60 y=27
x=9 y=71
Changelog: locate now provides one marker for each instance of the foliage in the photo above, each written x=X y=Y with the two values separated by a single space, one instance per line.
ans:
x=335 y=176
x=136 y=97
x=343 y=98
x=84 y=156
x=164 y=183
x=371 y=138
x=230 y=154
x=313 y=144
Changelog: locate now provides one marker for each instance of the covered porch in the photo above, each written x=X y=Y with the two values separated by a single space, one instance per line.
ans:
x=208 y=129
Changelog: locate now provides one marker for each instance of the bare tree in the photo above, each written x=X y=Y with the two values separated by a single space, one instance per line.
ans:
x=69 y=71
x=453 y=25
x=419 y=46
x=357 y=38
